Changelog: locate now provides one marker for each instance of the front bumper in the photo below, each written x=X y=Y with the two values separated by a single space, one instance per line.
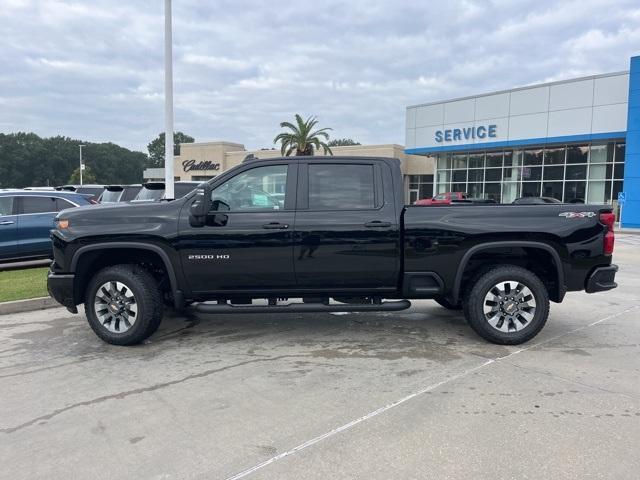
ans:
x=601 y=279
x=60 y=287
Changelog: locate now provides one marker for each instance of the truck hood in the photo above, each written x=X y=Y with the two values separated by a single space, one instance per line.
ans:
x=122 y=218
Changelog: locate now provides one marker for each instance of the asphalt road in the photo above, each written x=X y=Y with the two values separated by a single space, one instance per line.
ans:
x=407 y=395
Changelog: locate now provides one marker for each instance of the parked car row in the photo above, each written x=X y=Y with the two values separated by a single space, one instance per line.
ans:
x=27 y=215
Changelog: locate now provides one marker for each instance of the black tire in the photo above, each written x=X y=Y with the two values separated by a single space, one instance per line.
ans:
x=476 y=299
x=443 y=302
x=148 y=301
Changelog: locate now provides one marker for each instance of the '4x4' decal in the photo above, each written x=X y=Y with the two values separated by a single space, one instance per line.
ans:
x=577 y=214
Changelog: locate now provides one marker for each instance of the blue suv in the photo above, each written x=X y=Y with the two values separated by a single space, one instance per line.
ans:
x=26 y=218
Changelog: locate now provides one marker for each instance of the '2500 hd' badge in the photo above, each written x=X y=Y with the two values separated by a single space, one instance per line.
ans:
x=577 y=214
x=209 y=257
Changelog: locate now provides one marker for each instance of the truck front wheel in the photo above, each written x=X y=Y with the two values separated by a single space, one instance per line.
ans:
x=507 y=305
x=123 y=304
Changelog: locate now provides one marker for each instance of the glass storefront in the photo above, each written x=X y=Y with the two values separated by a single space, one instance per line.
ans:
x=571 y=173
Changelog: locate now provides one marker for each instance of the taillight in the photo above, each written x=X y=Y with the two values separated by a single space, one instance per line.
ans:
x=608 y=220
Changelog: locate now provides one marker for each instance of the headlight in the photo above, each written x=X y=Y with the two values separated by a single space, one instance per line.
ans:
x=62 y=224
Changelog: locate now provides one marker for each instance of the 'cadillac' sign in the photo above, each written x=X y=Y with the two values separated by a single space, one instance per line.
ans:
x=189 y=165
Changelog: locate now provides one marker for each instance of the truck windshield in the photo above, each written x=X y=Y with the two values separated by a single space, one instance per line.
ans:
x=150 y=193
x=111 y=196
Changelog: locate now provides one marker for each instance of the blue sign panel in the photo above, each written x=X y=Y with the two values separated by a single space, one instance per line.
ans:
x=621 y=198
x=468 y=133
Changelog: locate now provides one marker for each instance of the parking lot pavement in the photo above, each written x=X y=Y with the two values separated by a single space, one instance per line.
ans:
x=412 y=394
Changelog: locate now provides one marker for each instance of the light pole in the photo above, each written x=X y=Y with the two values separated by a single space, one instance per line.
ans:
x=81 y=165
x=168 y=103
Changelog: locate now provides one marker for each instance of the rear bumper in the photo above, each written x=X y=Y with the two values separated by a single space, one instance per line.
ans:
x=60 y=287
x=601 y=279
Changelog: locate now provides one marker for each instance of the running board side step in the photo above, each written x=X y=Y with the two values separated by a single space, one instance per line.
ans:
x=303 y=307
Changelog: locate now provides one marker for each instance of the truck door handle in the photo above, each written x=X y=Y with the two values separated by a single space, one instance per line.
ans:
x=377 y=224
x=6 y=222
x=275 y=226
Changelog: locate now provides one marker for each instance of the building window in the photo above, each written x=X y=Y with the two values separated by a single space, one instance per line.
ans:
x=531 y=173
x=459 y=176
x=530 y=189
x=577 y=153
x=552 y=189
x=554 y=173
x=554 y=156
x=492 y=191
x=570 y=173
x=533 y=157
x=476 y=160
x=459 y=161
x=494 y=159
x=420 y=187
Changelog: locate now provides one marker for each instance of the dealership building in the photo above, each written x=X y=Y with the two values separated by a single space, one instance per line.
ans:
x=576 y=140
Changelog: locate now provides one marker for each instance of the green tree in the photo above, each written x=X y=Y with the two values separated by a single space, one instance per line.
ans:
x=302 y=139
x=87 y=176
x=343 y=142
x=27 y=160
x=156 y=147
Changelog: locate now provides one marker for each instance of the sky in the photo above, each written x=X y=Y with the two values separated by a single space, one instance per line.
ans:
x=93 y=70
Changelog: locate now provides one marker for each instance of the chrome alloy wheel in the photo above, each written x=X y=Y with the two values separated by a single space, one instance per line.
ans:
x=115 y=307
x=509 y=306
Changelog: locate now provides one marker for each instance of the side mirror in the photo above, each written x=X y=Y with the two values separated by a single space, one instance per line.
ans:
x=220 y=206
x=201 y=204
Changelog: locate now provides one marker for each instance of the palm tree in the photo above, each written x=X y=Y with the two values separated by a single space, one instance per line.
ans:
x=302 y=139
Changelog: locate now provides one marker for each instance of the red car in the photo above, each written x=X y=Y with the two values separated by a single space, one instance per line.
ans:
x=443 y=198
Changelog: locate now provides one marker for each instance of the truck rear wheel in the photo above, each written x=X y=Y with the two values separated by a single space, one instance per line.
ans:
x=123 y=304
x=507 y=305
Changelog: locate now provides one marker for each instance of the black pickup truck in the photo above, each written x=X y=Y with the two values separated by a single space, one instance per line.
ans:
x=333 y=234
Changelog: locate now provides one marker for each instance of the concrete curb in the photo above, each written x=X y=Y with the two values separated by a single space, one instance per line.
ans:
x=29 y=305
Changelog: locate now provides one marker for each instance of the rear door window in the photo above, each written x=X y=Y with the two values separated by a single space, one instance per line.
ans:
x=61 y=204
x=32 y=205
x=6 y=206
x=341 y=187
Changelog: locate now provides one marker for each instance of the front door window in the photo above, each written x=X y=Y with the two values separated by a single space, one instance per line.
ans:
x=258 y=189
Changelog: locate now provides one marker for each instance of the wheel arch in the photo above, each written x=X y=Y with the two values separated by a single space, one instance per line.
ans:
x=556 y=292
x=87 y=256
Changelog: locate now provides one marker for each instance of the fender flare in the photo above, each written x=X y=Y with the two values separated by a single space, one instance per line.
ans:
x=173 y=281
x=455 y=293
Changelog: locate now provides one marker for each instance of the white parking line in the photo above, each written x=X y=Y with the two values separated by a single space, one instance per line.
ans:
x=429 y=388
